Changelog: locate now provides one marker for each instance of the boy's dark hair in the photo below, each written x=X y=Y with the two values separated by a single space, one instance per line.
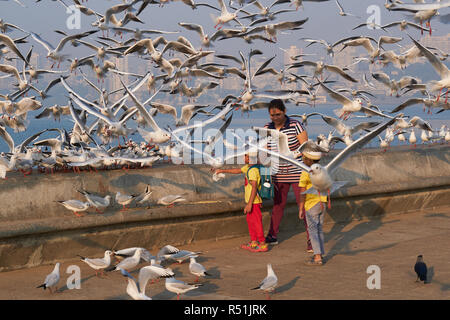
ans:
x=277 y=104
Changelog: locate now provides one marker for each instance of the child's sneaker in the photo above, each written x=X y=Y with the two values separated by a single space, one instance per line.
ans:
x=261 y=248
x=271 y=240
x=249 y=246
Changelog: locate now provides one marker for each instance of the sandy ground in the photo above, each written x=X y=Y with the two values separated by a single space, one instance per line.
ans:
x=392 y=243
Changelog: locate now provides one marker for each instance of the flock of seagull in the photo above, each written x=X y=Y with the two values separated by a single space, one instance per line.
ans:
x=99 y=123
x=128 y=259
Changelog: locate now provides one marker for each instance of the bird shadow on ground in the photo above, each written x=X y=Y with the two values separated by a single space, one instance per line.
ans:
x=344 y=215
x=444 y=286
x=430 y=274
x=205 y=288
x=119 y=297
x=214 y=273
x=345 y=238
x=287 y=286
x=177 y=271
x=64 y=288
x=439 y=215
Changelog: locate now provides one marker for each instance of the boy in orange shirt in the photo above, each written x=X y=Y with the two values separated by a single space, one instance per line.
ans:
x=253 y=205
x=312 y=205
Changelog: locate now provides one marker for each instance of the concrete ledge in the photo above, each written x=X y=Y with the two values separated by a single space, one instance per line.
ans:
x=36 y=230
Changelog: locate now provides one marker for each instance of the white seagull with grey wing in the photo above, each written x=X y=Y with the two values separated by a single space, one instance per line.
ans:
x=269 y=283
x=179 y=287
x=98 y=263
x=52 y=279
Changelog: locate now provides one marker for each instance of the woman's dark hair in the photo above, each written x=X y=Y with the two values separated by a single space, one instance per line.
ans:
x=277 y=104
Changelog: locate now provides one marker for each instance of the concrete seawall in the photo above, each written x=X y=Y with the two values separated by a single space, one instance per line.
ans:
x=36 y=230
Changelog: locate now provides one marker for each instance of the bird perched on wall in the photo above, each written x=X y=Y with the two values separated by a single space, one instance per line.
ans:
x=124 y=199
x=421 y=269
x=170 y=200
x=144 y=196
x=96 y=201
x=75 y=206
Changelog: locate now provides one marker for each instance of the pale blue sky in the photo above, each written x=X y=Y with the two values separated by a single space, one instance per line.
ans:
x=324 y=21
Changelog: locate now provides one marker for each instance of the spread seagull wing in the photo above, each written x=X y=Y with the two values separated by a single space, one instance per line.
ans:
x=282 y=157
x=89 y=109
x=10 y=44
x=47 y=45
x=338 y=97
x=193 y=27
x=440 y=68
x=341 y=72
x=7 y=137
x=356 y=145
x=282 y=138
x=219 y=115
x=152 y=272
x=150 y=121
x=407 y=103
x=165 y=108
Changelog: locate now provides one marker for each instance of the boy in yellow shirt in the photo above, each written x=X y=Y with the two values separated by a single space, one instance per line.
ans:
x=253 y=205
x=312 y=205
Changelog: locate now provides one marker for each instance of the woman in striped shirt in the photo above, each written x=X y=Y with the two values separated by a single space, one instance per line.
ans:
x=285 y=175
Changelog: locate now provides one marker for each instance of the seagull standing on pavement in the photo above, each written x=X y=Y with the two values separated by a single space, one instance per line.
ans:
x=98 y=263
x=127 y=263
x=269 y=283
x=52 y=279
x=179 y=287
x=197 y=269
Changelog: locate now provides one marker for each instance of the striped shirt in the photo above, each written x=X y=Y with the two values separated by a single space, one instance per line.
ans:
x=284 y=171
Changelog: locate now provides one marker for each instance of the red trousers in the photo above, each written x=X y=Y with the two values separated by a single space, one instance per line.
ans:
x=279 y=202
x=254 y=222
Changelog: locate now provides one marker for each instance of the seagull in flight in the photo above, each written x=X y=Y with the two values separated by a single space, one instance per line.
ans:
x=55 y=53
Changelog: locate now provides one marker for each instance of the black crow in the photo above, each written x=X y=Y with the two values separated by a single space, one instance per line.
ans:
x=421 y=269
